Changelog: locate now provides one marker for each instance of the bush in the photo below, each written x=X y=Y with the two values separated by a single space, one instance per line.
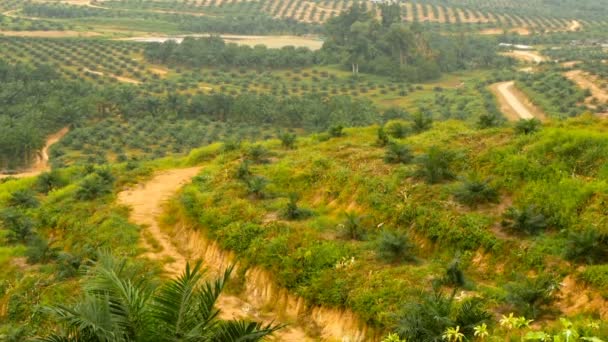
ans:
x=93 y=186
x=288 y=140
x=20 y=226
x=526 y=220
x=336 y=131
x=243 y=172
x=529 y=295
x=258 y=154
x=292 y=211
x=23 y=198
x=382 y=139
x=394 y=246
x=397 y=129
x=491 y=119
x=257 y=186
x=527 y=126
x=434 y=166
x=398 y=154
x=473 y=192
x=48 y=181
x=428 y=319
x=421 y=122
x=588 y=246
x=352 y=227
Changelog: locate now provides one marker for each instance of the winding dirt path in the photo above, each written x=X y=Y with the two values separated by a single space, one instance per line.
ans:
x=42 y=162
x=146 y=202
x=513 y=103
x=584 y=81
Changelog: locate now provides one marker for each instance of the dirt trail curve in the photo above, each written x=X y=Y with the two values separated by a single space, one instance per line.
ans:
x=584 y=81
x=146 y=201
x=42 y=162
x=513 y=103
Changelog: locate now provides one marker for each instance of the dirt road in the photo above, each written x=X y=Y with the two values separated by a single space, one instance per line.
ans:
x=513 y=103
x=583 y=81
x=42 y=162
x=146 y=201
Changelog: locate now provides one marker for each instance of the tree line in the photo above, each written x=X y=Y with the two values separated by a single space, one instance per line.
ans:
x=213 y=51
x=34 y=102
x=357 y=41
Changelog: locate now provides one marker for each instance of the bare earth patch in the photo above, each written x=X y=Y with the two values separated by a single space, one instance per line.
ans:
x=526 y=56
x=275 y=42
x=585 y=81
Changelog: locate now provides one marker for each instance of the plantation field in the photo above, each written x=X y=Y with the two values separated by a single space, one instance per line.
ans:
x=128 y=17
x=373 y=172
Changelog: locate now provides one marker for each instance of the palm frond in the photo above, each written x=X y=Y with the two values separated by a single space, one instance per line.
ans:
x=243 y=331
x=173 y=303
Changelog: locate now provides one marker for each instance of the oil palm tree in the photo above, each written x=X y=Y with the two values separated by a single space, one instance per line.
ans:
x=119 y=308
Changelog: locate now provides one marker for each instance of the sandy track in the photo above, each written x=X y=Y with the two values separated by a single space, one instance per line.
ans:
x=513 y=103
x=578 y=77
x=42 y=163
x=146 y=202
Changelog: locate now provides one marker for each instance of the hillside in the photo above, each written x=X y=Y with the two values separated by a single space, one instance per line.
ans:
x=345 y=223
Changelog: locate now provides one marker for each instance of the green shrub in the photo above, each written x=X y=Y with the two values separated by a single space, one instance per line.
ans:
x=527 y=220
x=288 y=140
x=258 y=154
x=473 y=192
x=336 y=131
x=257 y=186
x=428 y=319
x=238 y=236
x=394 y=246
x=524 y=126
x=421 y=122
x=588 y=246
x=397 y=153
x=530 y=295
x=23 y=198
x=434 y=166
x=352 y=227
x=292 y=211
x=20 y=226
x=596 y=276
x=243 y=172
x=397 y=129
x=382 y=138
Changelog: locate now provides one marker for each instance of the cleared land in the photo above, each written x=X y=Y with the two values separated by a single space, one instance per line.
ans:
x=526 y=56
x=313 y=43
x=583 y=81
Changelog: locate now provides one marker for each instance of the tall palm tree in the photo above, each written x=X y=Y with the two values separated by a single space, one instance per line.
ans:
x=117 y=308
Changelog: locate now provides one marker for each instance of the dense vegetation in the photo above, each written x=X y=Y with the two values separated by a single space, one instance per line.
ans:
x=34 y=102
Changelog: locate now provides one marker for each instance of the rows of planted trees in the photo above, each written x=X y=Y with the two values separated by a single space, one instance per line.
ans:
x=356 y=39
x=34 y=102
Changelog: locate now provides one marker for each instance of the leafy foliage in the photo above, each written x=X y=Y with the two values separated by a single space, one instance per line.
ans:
x=116 y=307
x=526 y=220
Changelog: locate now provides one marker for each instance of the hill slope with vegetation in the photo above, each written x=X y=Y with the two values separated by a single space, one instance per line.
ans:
x=391 y=224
